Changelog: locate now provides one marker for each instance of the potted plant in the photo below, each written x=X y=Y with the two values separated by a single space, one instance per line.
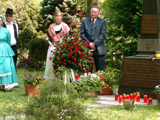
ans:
x=110 y=78
x=31 y=82
x=92 y=84
x=157 y=91
x=73 y=53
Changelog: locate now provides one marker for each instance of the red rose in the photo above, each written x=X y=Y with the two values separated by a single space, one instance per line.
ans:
x=75 y=51
x=50 y=58
x=82 y=53
x=57 y=47
x=61 y=57
x=77 y=76
x=66 y=51
x=63 y=45
x=74 y=35
x=73 y=42
x=57 y=59
x=70 y=62
x=59 y=62
x=64 y=60
x=70 y=54
x=101 y=79
x=60 y=51
x=67 y=44
x=91 y=54
x=86 y=56
x=87 y=68
x=70 y=48
x=85 y=71
x=65 y=40
x=81 y=69
x=80 y=57
x=79 y=47
x=91 y=65
x=51 y=51
x=89 y=75
x=80 y=65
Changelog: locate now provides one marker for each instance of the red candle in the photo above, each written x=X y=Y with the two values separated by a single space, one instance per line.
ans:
x=116 y=97
x=127 y=97
x=123 y=96
x=131 y=96
x=120 y=99
x=150 y=101
x=134 y=95
x=138 y=97
x=145 y=98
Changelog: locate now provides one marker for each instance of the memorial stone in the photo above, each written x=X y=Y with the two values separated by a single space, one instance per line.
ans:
x=139 y=73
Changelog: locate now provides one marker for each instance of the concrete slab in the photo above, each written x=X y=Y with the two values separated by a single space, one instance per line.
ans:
x=109 y=101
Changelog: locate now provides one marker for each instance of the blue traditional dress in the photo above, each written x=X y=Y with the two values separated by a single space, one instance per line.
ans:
x=7 y=68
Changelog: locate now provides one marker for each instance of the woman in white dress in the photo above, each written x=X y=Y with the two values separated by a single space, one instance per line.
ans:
x=56 y=32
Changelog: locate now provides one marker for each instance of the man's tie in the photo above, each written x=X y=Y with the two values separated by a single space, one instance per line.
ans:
x=92 y=22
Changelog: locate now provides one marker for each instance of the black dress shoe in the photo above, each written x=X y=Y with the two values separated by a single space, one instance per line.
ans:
x=16 y=86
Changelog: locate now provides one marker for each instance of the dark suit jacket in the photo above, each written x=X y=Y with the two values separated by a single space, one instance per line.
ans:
x=94 y=34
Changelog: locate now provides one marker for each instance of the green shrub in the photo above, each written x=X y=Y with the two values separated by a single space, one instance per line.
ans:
x=24 y=37
x=54 y=104
x=37 y=53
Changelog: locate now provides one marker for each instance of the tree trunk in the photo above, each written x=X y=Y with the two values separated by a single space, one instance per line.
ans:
x=90 y=3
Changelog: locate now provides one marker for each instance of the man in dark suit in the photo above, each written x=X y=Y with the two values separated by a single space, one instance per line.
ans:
x=93 y=30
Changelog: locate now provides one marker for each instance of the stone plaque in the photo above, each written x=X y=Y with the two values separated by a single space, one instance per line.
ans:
x=141 y=73
x=149 y=24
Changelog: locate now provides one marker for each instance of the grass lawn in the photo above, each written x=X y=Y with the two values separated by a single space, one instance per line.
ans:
x=15 y=100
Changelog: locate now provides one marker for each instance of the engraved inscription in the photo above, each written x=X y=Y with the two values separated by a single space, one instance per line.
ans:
x=140 y=73
x=149 y=24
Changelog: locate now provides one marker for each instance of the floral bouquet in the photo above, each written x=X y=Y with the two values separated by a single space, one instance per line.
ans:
x=157 y=89
x=109 y=77
x=34 y=79
x=90 y=82
x=73 y=53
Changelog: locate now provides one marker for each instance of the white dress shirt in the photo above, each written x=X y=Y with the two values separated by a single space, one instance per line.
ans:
x=11 y=30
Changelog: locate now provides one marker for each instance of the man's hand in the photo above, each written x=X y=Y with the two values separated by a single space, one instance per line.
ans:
x=92 y=45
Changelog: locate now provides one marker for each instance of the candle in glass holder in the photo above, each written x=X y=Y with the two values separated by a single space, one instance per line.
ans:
x=138 y=97
x=150 y=101
x=120 y=99
x=127 y=97
x=123 y=96
x=145 y=98
x=131 y=96
x=134 y=95
x=116 y=97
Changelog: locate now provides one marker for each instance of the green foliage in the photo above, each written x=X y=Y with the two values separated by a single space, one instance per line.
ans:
x=24 y=37
x=54 y=104
x=72 y=14
x=123 y=27
x=37 y=52
x=109 y=77
x=88 y=83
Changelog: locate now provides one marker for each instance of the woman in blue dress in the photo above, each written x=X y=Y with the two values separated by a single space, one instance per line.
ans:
x=7 y=68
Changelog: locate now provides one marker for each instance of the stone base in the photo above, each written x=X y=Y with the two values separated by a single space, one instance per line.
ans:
x=139 y=74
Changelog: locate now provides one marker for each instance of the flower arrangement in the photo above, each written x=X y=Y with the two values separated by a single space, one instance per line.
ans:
x=88 y=83
x=34 y=79
x=109 y=77
x=73 y=53
x=157 y=89
x=152 y=57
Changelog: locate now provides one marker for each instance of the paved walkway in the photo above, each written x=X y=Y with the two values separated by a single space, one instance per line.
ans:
x=109 y=101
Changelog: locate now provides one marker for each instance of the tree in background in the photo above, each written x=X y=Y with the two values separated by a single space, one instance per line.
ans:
x=90 y=3
x=72 y=13
x=123 y=27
